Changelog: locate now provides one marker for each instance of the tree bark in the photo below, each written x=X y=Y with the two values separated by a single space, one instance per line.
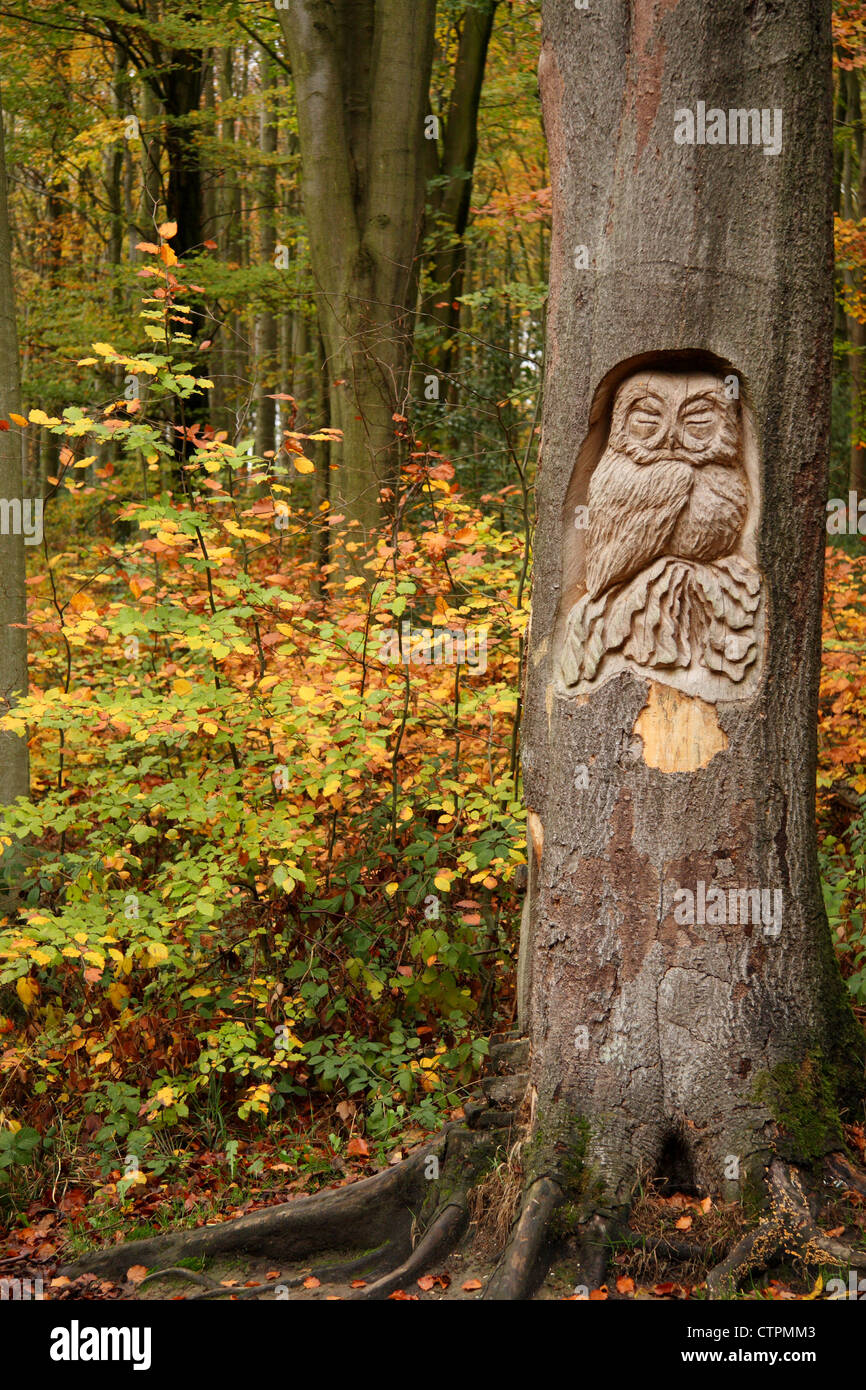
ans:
x=266 y=321
x=452 y=191
x=855 y=326
x=361 y=70
x=14 y=757
x=659 y=1047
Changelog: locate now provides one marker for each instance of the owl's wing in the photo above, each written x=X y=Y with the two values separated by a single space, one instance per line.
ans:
x=633 y=509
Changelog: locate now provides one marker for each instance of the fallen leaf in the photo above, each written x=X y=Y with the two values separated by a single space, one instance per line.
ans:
x=426 y=1283
x=136 y=1273
x=684 y=1223
x=472 y=1286
x=624 y=1284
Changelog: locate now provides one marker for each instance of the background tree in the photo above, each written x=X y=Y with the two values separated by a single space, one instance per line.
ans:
x=14 y=760
x=361 y=70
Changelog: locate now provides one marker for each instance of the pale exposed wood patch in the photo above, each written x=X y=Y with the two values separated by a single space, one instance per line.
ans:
x=536 y=834
x=680 y=733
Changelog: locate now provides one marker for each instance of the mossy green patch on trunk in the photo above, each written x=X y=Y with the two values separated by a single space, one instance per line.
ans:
x=803 y=1100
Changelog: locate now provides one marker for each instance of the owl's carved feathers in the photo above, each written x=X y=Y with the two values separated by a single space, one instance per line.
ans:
x=633 y=510
x=639 y=512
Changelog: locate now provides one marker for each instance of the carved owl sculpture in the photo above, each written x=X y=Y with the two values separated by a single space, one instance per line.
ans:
x=667 y=583
x=670 y=481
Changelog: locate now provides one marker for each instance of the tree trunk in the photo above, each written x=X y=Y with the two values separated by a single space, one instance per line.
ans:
x=856 y=329
x=361 y=70
x=14 y=758
x=451 y=194
x=266 y=321
x=659 y=757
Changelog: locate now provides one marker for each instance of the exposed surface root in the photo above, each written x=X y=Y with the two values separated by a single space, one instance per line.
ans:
x=174 y=1272
x=841 y=1170
x=437 y=1242
x=369 y=1214
x=521 y=1265
x=595 y=1237
x=788 y=1230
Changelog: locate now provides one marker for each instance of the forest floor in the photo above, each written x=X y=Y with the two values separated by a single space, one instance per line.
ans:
x=672 y=1242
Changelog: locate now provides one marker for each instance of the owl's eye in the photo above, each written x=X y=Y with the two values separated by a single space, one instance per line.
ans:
x=643 y=423
x=700 y=427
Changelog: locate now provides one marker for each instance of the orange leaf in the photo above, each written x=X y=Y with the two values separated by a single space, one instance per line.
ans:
x=312 y=1282
x=426 y=1283
x=472 y=1286
x=136 y=1273
x=684 y=1223
x=624 y=1284
x=358 y=1148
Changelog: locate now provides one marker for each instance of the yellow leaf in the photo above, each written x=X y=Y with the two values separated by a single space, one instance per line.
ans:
x=443 y=883
x=181 y=686
x=391 y=889
x=26 y=990
x=104 y=349
x=210 y=727
x=101 y=1058
x=117 y=993
x=85 y=463
x=220 y=650
x=303 y=465
x=307 y=692
x=38 y=417
x=165 y=1095
x=355 y=582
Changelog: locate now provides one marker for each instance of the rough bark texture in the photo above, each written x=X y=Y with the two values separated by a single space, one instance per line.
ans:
x=14 y=760
x=361 y=70
x=266 y=321
x=697 y=1036
x=451 y=192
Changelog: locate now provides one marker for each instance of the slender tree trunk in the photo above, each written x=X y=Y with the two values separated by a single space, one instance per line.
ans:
x=361 y=70
x=662 y=1044
x=14 y=759
x=266 y=321
x=452 y=190
x=855 y=325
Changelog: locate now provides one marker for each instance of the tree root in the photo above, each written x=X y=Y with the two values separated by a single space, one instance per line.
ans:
x=375 y=1212
x=518 y=1270
x=842 y=1171
x=178 y=1272
x=439 y=1239
x=788 y=1230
